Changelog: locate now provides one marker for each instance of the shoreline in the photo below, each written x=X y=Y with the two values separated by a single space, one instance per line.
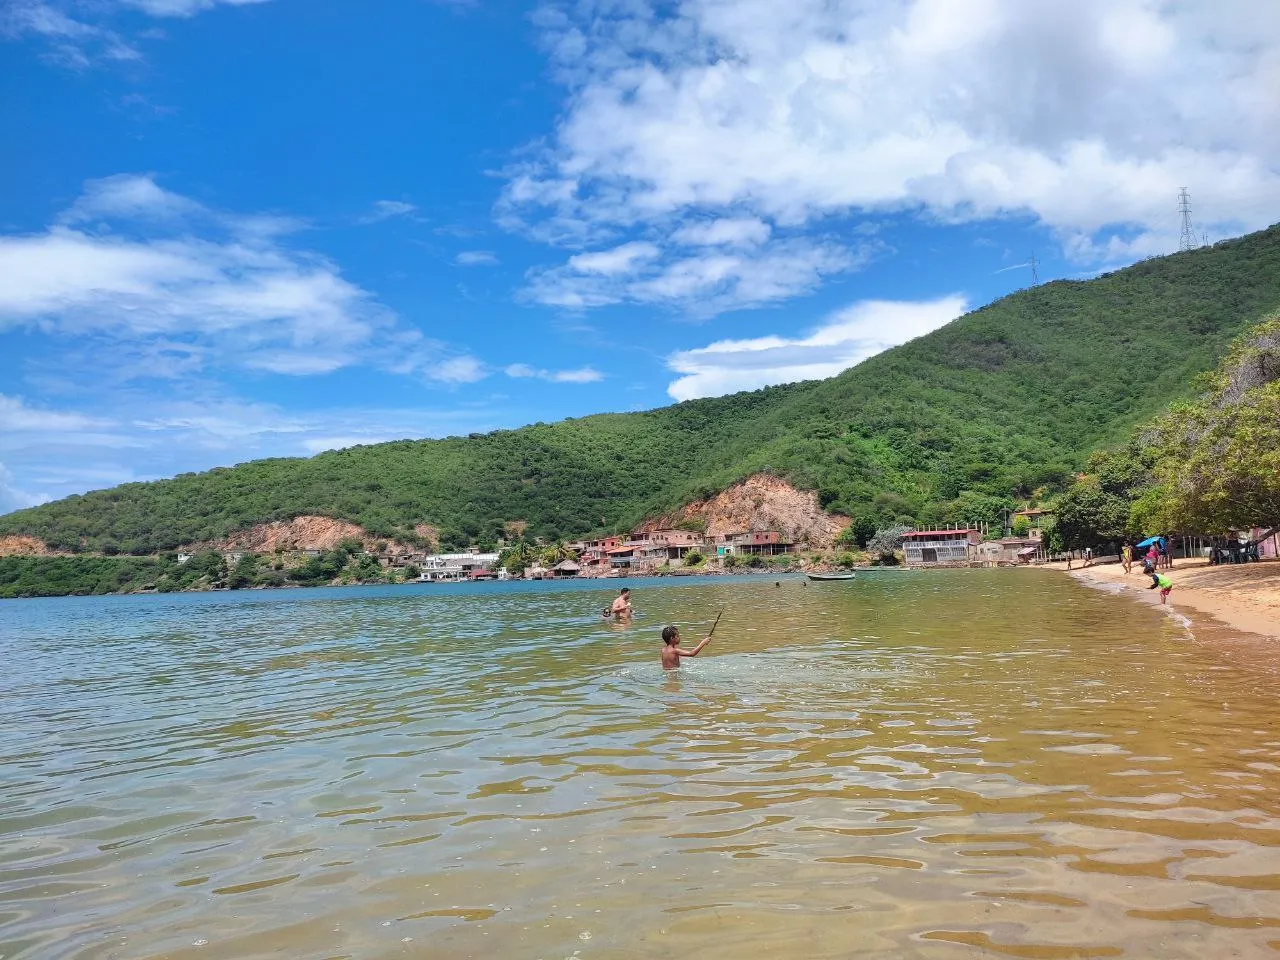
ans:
x=1244 y=597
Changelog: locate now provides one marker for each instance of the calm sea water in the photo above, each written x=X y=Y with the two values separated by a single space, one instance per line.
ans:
x=950 y=765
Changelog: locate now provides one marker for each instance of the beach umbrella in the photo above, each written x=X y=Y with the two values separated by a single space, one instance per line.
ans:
x=1150 y=540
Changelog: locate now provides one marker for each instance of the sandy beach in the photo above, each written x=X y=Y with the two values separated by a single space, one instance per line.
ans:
x=1243 y=596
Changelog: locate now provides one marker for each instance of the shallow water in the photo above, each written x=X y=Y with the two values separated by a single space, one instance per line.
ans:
x=959 y=764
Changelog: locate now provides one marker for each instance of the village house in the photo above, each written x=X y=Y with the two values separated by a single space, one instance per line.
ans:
x=1010 y=550
x=668 y=547
x=594 y=554
x=765 y=543
x=1037 y=518
x=940 y=548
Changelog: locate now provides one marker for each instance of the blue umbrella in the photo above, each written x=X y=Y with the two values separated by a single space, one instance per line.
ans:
x=1150 y=540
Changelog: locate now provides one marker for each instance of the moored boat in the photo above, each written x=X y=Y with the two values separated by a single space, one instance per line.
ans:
x=833 y=576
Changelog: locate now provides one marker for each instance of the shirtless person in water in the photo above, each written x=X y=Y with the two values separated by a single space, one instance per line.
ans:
x=672 y=651
x=621 y=608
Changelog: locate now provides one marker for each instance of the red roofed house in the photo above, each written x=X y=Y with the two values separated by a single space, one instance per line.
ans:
x=940 y=548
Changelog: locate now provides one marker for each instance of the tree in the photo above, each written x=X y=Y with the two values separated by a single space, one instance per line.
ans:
x=244 y=573
x=1087 y=514
x=859 y=531
x=888 y=540
x=1021 y=526
x=1220 y=456
x=694 y=558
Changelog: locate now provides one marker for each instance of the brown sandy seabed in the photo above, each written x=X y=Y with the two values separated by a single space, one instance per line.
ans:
x=1244 y=597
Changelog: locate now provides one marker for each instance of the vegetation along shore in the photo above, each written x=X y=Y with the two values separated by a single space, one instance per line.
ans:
x=1143 y=401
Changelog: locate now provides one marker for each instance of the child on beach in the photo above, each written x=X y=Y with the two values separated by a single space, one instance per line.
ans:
x=1163 y=582
x=672 y=651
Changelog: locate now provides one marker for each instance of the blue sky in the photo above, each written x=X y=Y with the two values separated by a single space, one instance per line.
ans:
x=243 y=228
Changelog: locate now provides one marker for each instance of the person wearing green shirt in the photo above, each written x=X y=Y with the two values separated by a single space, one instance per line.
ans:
x=1163 y=582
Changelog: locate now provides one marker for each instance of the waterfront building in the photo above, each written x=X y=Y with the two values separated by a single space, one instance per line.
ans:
x=941 y=548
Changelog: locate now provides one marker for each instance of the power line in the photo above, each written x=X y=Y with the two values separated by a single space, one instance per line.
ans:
x=1188 y=239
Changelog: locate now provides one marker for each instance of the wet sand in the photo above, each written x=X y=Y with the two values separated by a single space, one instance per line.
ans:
x=1243 y=596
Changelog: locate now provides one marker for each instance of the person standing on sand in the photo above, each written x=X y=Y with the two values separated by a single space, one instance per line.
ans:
x=621 y=608
x=1126 y=557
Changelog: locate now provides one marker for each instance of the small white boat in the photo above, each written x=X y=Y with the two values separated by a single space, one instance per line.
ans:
x=833 y=576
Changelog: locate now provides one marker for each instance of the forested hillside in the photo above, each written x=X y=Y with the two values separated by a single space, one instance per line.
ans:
x=1007 y=400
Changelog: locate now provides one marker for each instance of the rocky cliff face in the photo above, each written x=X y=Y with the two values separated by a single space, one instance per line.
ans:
x=17 y=545
x=300 y=533
x=760 y=502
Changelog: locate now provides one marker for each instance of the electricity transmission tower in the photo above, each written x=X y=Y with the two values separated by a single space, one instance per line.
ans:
x=1188 y=239
x=1035 y=272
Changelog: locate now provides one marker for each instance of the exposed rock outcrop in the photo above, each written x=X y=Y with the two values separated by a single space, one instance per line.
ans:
x=21 y=545
x=760 y=502
x=300 y=533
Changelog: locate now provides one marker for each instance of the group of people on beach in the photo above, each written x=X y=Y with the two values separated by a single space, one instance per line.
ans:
x=1157 y=558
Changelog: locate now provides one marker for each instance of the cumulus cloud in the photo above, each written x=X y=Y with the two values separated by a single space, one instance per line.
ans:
x=581 y=375
x=166 y=276
x=1087 y=117
x=844 y=339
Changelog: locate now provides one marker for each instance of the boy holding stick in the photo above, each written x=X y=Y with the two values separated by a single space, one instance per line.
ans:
x=671 y=649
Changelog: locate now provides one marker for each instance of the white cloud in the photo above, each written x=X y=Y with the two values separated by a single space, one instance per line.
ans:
x=703 y=283
x=846 y=338
x=196 y=287
x=459 y=370
x=12 y=498
x=476 y=258
x=74 y=43
x=387 y=210
x=581 y=375
x=1087 y=116
x=619 y=260
x=725 y=232
x=184 y=8
x=129 y=196
x=80 y=43
x=16 y=416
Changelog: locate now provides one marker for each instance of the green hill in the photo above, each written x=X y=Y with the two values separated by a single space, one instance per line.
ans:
x=1004 y=401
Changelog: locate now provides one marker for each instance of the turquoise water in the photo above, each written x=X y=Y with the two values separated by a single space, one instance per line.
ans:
x=957 y=764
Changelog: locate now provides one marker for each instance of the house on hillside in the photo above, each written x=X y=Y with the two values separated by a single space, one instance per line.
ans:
x=669 y=547
x=622 y=557
x=941 y=548
x=764 y=543
x=1037 y=518
x=594 y=554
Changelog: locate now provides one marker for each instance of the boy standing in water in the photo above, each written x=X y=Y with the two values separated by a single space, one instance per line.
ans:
x=672 y=651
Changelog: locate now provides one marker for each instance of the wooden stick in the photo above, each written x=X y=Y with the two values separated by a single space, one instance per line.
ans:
x=717 y=622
